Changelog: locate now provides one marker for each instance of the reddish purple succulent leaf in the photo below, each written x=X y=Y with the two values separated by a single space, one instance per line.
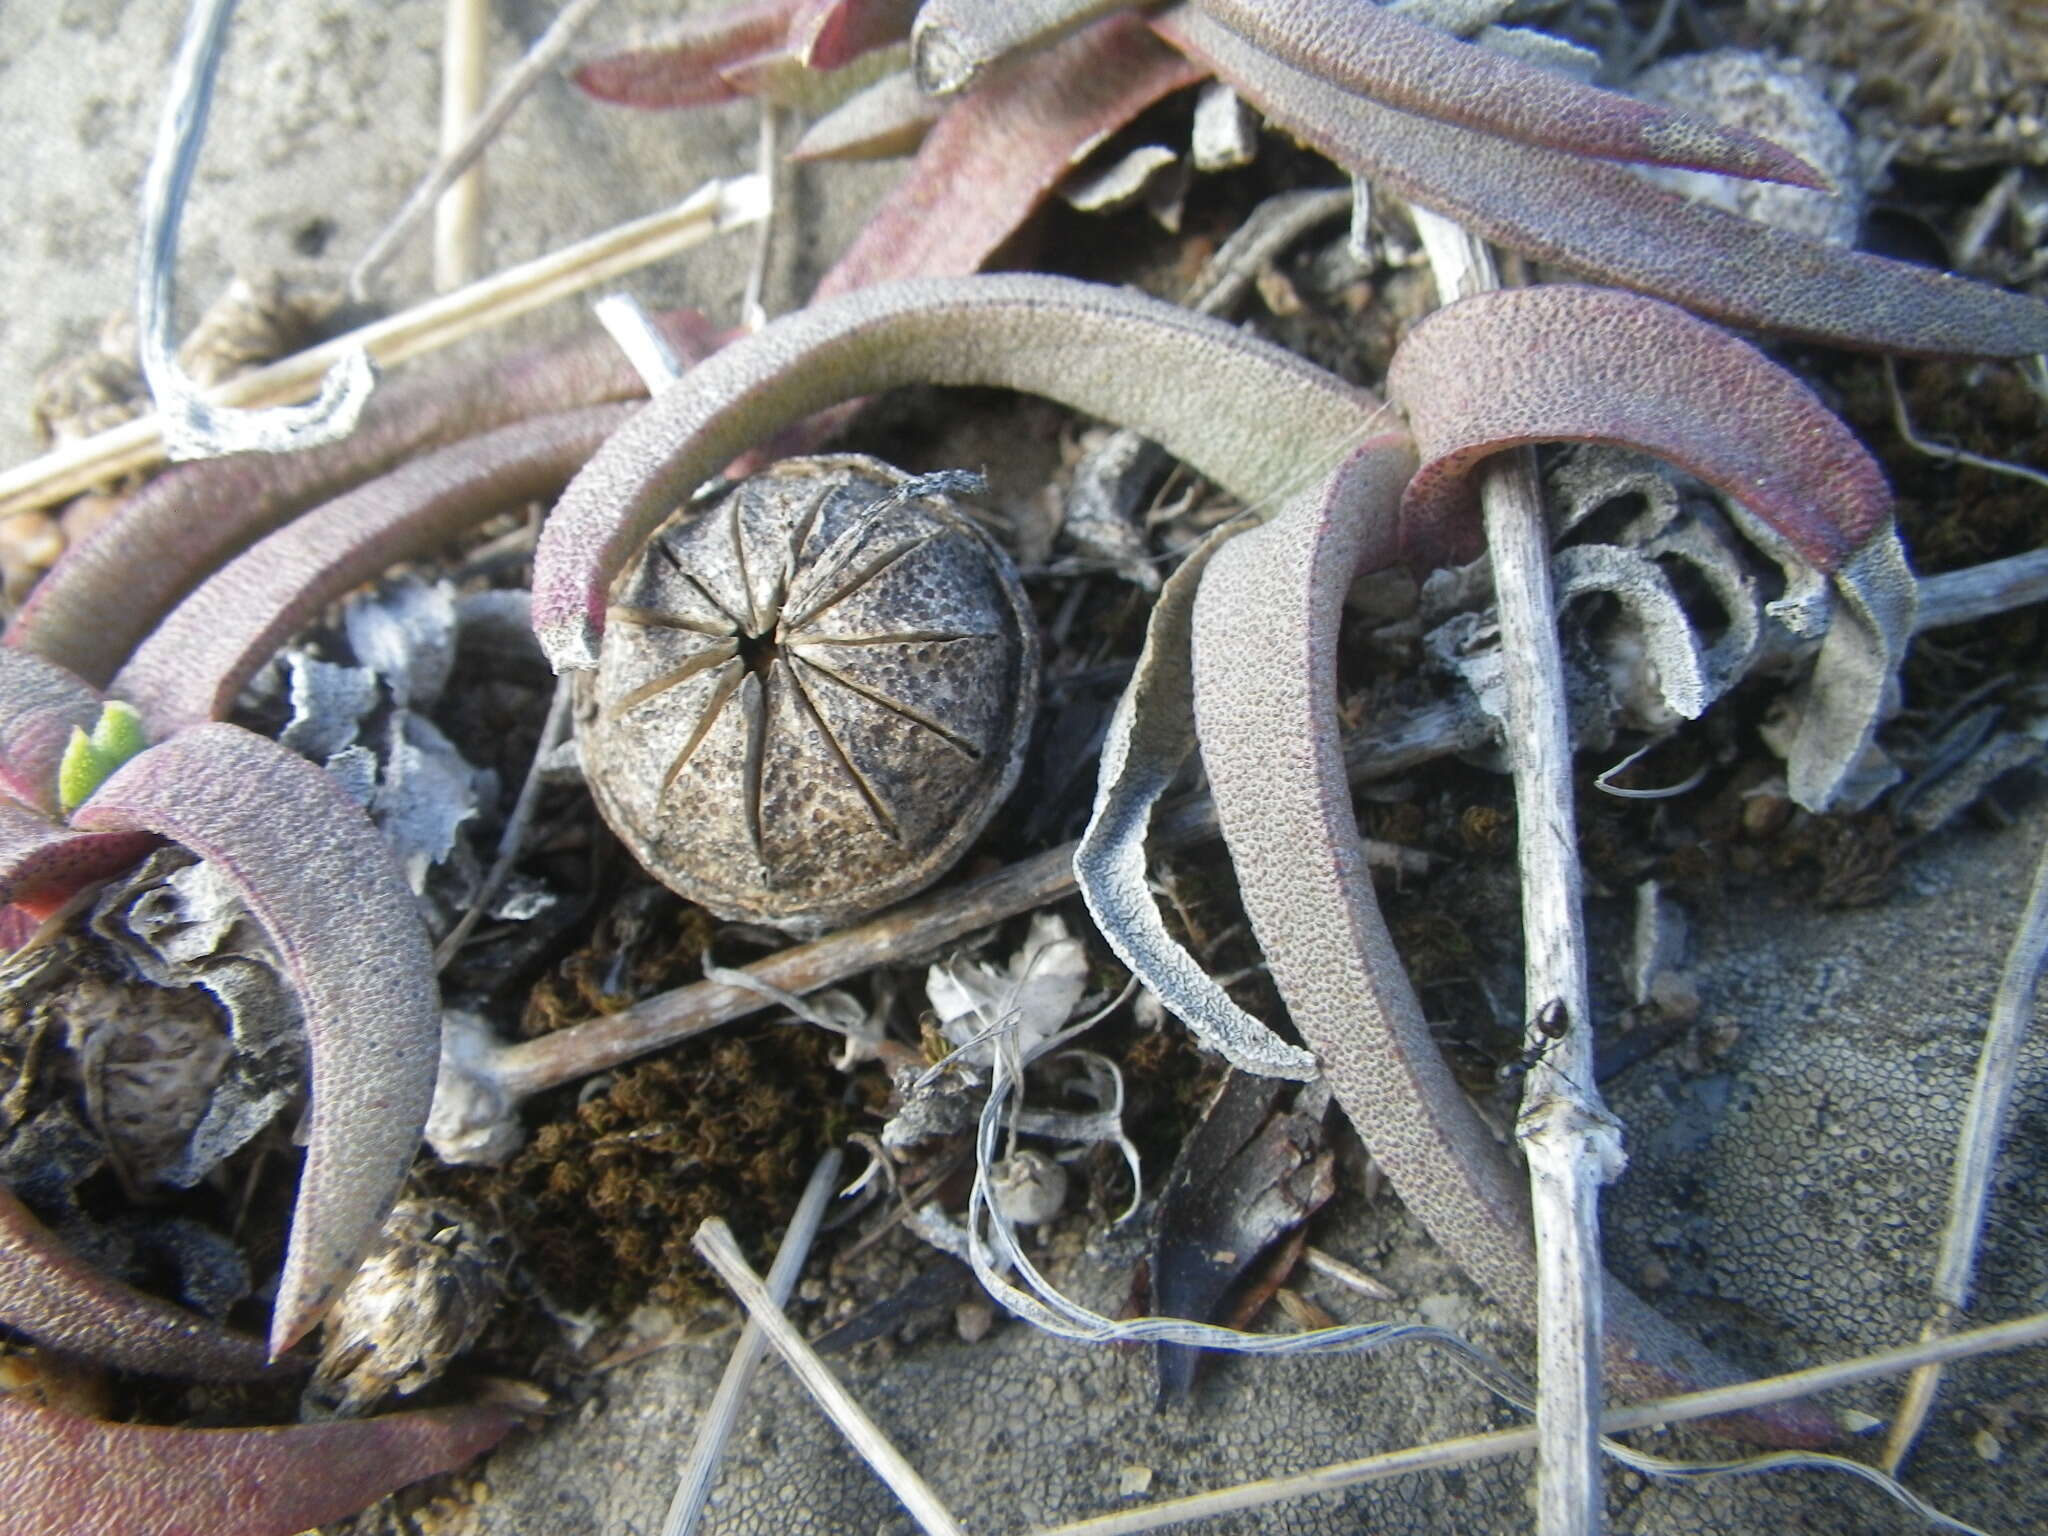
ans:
x=1561 y=362
x=196 y=662
x=1364 y=47
x=1266 y=622
x=62 y=1475
x=42 y=862
x=17 y=927
x=319 y=878
x=40 y=705
x=109 y=591
x=688 y=70
x=50 y=1294
x=830 y=34
x=993 y=155
x=1608 y=223
x=1101 y=350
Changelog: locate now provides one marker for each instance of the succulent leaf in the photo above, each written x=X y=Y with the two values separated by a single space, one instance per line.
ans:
x=1265 y=647
x=956 y=41
x=992 y=156
x=1378 y=52
x=1606 y=222
x=42 y=862
x=1563 y=362
x=43 y=704
x=48 y=1293
x=1150 y=738
x=1106 y=351
x=689 y=68
x=890 y=117
x=829 y=34
x=111 y=589
x=196 y=662
x=116 y=736
x=314 y=872
x=61 y=1475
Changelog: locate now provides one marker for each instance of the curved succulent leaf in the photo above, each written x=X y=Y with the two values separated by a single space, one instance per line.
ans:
x=1262 y=422
x=992 y=156
x=196 y=662
x=1608 y=223
x=43 y=704
x=1378 y=52
x=689 y=68
x=1674 y=657
x=1150 y=737
x=1855 y=676
x=53 y=1296
x=830 y=34
x=1265 y=646
x=315 y=873
x=113 y=588
x=42 y=862
x=956 y=41
x=1562 y=362
x=62 y=1475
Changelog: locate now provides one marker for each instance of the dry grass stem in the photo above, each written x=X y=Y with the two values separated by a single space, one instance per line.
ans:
x=539 y=60
x=465 y=46
x=768 y=166
x=714 y=1243
x=634 y=332
x=513 y=838
x=1977 y=1145
x=2020 y=1334
x=1330 y=1267
x=1572 y=1143
x=693 y=1488
x=713 y=209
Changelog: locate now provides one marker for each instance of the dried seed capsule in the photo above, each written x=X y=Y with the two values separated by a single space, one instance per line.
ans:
x=812 y=696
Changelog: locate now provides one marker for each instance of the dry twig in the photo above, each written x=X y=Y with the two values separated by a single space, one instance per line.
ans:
x=465 y=39
x=715 y=1245
x=1572 y=1143
x=714 y=1430
x=1977 y=1146
x=2019 y=1334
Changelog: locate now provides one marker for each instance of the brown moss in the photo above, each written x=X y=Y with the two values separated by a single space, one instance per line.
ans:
x=612 y=1182
x=1953 y=82
x=1487 y=829
x=645 y=943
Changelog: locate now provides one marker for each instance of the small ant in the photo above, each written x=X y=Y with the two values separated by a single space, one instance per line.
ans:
x=1553 y=1021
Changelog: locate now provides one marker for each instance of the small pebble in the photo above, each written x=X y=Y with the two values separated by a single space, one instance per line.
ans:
x=1134 y=1482
x=972 y=1321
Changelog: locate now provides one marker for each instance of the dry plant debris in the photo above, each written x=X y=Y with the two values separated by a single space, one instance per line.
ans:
x=1247 y=636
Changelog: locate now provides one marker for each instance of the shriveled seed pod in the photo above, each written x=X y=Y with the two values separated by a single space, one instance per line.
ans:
x=812 y=696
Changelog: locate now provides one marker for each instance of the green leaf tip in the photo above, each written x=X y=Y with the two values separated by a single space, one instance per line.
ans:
x=89 y=760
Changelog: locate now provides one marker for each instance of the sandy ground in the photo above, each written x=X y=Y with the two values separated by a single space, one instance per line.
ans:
x=325 y=117
x=1790 y=1194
